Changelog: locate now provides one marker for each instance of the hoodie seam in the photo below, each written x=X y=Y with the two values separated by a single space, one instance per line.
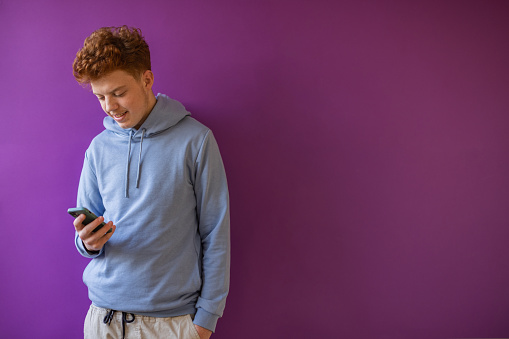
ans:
x=201 y=147
x=89 y=165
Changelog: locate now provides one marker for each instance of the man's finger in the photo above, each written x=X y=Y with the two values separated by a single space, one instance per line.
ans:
x=78 y=222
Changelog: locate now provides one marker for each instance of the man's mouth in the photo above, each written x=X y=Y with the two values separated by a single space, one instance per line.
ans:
x=118 y=116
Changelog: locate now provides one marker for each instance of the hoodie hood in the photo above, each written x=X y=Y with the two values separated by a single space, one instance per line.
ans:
x=165 y=114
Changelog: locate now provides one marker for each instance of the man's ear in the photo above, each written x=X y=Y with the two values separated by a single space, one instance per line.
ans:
x=148 y=79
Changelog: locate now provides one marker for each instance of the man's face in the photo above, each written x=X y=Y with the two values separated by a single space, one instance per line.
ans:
x=127 y=100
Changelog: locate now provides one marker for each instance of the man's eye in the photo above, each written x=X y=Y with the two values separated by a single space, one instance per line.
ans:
x=100 y=98
x=120 y=94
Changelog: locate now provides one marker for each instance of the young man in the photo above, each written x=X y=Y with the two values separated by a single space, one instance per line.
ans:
x=156 y=175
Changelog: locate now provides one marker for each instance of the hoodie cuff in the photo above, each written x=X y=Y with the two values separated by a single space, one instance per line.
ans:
x=86 y=253
x=205 y=319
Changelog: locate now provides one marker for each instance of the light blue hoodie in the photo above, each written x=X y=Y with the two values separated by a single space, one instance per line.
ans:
x=164 y=187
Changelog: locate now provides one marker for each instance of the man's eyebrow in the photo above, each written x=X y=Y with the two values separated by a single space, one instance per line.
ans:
x=114 y=90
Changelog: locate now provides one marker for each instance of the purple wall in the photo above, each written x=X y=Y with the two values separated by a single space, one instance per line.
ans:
x=365 y=143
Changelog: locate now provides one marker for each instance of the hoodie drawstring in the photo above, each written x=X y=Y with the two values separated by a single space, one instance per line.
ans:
x=128 y=163
x=139 y=160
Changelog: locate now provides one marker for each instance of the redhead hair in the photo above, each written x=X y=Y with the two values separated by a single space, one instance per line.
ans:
x=109 y=49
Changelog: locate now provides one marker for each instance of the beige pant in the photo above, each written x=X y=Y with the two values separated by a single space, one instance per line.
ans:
x=141 y=328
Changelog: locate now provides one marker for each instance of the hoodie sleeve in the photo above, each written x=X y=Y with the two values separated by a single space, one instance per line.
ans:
x=212 y=200
x=89 y=197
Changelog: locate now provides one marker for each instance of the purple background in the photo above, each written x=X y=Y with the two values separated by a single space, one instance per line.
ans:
x=365 y=144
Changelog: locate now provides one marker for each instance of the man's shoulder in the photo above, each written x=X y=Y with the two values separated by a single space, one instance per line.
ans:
x=101 y=139
x=100 y=136
x=188 y=129
x=193 y=124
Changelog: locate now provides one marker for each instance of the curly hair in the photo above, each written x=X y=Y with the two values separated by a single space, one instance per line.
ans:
x=109 y=49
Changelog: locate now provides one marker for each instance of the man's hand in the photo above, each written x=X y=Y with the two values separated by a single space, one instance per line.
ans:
x=203 y=332
x=93 y=242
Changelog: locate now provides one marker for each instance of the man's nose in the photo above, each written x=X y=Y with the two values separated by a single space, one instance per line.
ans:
x=110 y=104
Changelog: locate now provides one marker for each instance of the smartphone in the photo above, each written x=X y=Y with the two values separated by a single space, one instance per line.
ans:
x=89 y=217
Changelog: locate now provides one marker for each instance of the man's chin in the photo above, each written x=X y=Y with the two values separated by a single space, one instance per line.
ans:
x=124 y=125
